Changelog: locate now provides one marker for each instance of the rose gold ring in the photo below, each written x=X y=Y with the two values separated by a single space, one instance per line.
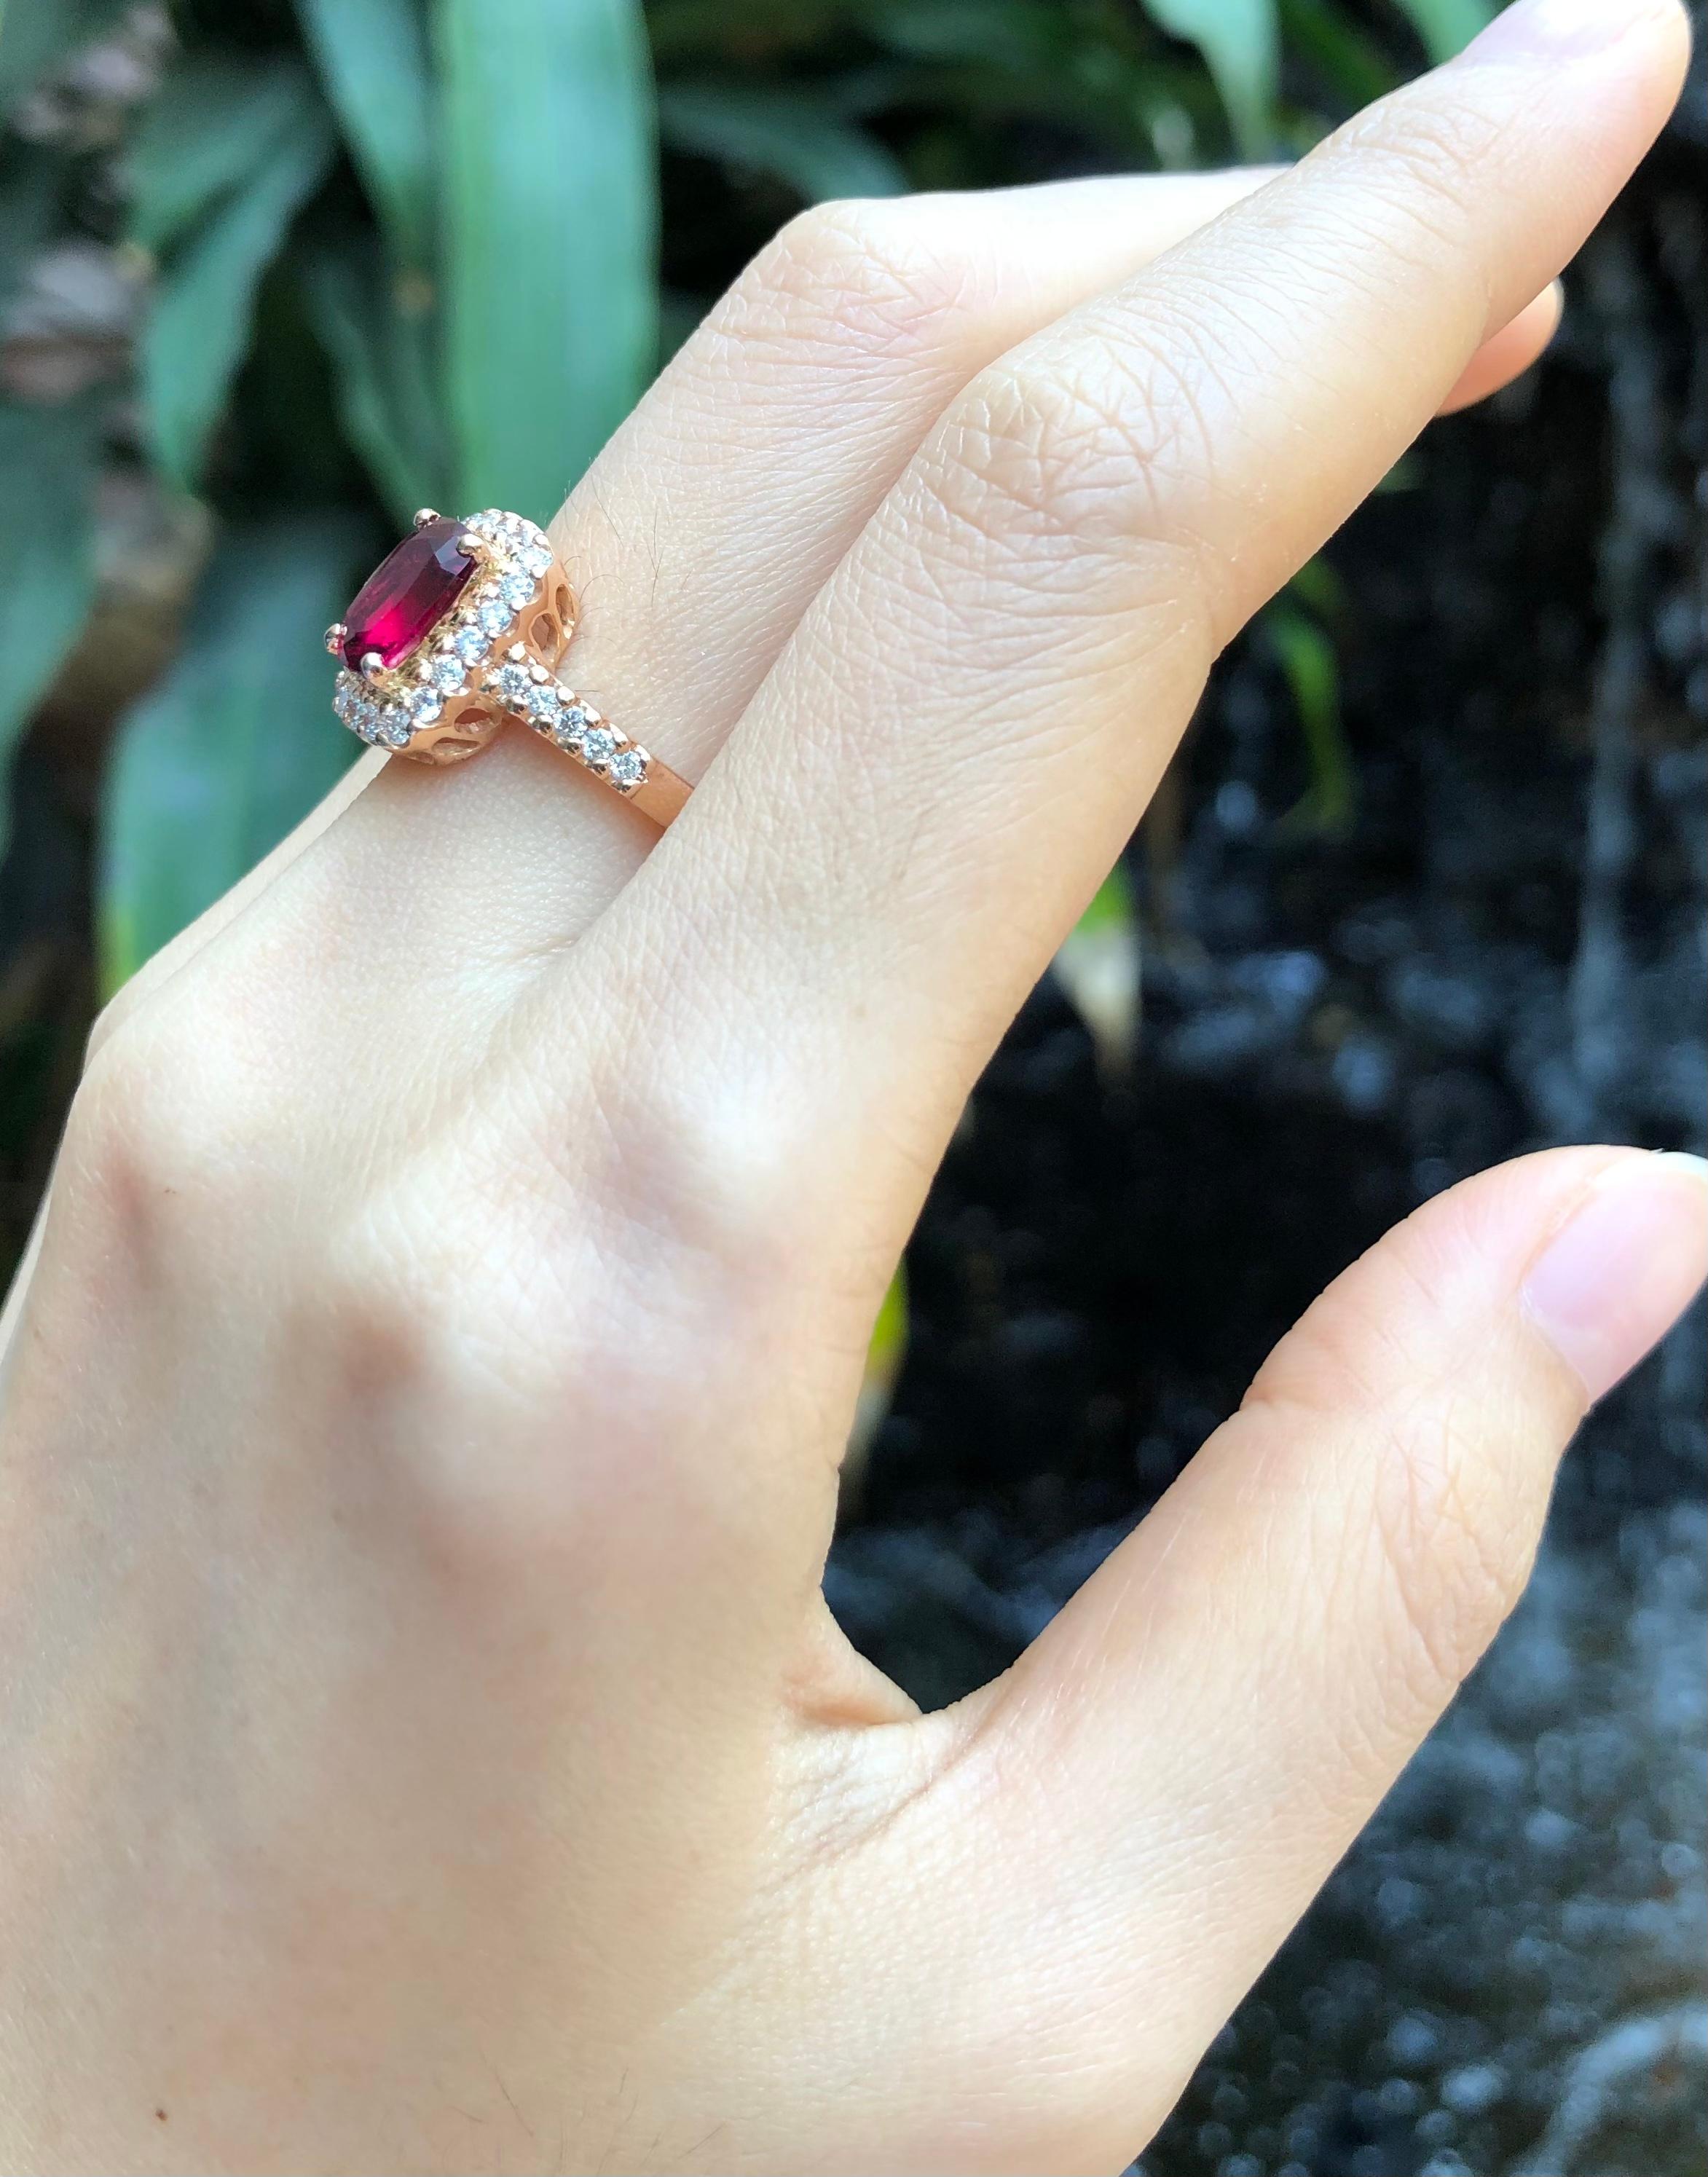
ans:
x=462 y=627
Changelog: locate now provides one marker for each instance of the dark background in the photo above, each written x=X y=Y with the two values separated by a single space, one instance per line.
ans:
x=1424 y=890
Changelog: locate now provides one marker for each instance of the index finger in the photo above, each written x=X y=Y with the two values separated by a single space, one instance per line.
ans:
x=954 y=745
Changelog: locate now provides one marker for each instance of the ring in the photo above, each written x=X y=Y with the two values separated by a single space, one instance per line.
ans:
x=461 y=628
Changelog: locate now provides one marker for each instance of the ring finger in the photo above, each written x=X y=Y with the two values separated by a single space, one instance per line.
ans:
x=710 y=521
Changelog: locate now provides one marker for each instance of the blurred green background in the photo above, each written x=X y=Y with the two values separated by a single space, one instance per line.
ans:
x=272 y=275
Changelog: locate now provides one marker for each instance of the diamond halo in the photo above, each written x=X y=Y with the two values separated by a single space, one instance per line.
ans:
x=462 y=626
x=391 y=706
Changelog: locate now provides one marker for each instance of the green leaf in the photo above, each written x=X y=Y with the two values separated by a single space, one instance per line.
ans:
x=215 y=122
x=198 y=327
x=1100 y=969
x=235 y=746
x=550 y=237
x=1111 y=904
x=1319 y=32
x=793 y=134
x=1020 y=36
x=1240 y=46
x=47 y=459
x=371 y=55
x=1312 y=670
x=889 y=1338
x=1446 y=27
x=385 y=366
x=31 y=180
x=37 y=34
x=1319 y=590
x=884 y=1357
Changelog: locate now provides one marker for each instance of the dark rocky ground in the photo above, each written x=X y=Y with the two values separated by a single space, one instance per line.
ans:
x=1506 y=948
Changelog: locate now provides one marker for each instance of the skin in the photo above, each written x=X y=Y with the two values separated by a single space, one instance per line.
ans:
x=423 y=1744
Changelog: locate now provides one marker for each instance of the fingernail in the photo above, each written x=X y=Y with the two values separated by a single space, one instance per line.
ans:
x=1624 y=1268
x=1557 y=30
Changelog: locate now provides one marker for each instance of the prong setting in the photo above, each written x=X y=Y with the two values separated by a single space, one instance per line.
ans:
x=484 y=656
x=335 y=636
x=424 y=515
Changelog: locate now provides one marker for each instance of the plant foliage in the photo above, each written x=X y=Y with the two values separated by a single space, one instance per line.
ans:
x=393 y=253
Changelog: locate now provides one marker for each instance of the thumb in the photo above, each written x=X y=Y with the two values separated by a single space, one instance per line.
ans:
x=1202 y=1733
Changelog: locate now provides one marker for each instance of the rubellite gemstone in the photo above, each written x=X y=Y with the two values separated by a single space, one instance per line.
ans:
x=407 y=594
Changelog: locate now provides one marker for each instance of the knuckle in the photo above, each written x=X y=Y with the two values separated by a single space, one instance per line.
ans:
x=1058 y=448
x=166 y=1122
x=419 y=1356
x=1430 y=1467
x=703 y=1185
x=1423 y=170
x=615 y=1270
x=1456 y=1546
x=856 y=276
x=1105 y=453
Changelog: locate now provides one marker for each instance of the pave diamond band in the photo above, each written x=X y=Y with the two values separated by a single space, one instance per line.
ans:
x=570 y=721
x=463 y=626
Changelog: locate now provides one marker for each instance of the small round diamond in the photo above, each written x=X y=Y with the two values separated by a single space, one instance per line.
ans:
x=628 y=768
x=536 y=558
x=448 y=672
x=494 y=615
x=394 y=725
x=515 y=684
x=470 y=644
x=364 y=717
x=426 y=707
x=599 y=745
x=517 y=590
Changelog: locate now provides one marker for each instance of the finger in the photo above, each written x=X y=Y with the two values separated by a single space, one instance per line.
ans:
x=713 y=518
x=1201 y=1733
x=1009 y=258
x=968 y=720
x=853 y=328
x=696 y=538
x=699 y=535
x=781 y=438
x=412 y=922
x=1508 y=353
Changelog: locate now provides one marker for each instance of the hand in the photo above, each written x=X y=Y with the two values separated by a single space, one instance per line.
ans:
x=425 y=1745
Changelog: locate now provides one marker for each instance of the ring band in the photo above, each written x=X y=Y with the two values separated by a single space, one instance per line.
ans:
x=462 y=628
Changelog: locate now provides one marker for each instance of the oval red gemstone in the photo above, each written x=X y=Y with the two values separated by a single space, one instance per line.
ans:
x=407 y=594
